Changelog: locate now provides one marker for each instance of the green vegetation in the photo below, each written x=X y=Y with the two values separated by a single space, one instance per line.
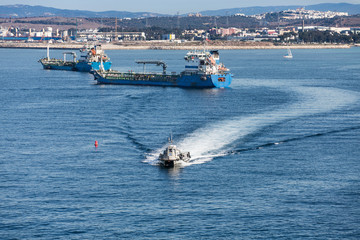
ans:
x=44 y=22
x=328 y=37
x=182 y=23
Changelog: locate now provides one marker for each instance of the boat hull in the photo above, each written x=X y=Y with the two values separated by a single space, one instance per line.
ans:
x=96 y=65
x=167 y=163
x=183 y=80
x=72 y=66
x=83 y=67
x=59 y=67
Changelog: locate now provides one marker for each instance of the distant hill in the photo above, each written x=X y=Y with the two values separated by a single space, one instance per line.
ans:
x=336 y=7
x=20 y=11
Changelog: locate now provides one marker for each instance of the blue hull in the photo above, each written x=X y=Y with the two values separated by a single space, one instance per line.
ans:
x=96 y=65
x=55 y=67
x=183 y=80
x=87 y=67
x=80 y=66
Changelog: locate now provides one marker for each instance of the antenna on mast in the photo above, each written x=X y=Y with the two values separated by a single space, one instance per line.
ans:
x=170 y=139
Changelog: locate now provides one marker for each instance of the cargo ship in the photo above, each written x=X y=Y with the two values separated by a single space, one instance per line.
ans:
x=202 y=70
x=90 y=59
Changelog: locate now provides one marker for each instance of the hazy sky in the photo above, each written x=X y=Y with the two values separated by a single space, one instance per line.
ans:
x=164 y=6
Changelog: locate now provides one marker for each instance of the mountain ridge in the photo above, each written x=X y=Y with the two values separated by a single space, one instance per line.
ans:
x=336 y=7
x=20 y=10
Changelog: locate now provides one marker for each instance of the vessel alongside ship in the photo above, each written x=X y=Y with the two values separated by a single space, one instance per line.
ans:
x=202 y=70
x=172 y=156
x=90 y=59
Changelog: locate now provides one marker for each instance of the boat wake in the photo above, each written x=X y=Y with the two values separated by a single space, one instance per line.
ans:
x=216 y=139
x=238 y=151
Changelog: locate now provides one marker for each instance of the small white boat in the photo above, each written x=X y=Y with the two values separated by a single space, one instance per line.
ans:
x=172 y=156
x=289 y=54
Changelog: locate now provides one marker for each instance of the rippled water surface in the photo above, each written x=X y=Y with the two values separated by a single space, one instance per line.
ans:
x=276 y=156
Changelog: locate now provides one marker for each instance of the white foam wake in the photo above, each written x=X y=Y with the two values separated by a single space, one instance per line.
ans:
x=211 y=140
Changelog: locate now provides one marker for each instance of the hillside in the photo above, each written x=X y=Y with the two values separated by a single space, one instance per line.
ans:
x=21 y=11
x=336 y=7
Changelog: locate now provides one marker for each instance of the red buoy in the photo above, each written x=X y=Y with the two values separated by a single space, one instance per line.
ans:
x=96 y=143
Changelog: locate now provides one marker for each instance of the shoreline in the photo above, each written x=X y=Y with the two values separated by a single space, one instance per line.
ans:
x=175 y=46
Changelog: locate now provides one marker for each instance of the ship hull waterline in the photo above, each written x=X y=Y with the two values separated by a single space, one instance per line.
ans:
x=167 y=163
x=182 y=80
x=80 y=66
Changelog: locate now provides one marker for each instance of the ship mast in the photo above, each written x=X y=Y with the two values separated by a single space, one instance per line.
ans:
x=48 y=53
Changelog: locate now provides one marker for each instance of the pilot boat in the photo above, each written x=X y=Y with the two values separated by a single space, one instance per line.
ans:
x=172 y=155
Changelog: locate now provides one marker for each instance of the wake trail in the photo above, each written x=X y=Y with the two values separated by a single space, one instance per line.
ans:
x=213 y=140
x=238 y=151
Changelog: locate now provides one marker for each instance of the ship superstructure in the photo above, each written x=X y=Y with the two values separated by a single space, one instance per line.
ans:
x=204 y=62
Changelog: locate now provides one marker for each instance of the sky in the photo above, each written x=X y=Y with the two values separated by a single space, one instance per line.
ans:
x=164 y=6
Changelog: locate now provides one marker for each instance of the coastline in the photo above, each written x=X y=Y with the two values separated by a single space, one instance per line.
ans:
x=220 y=45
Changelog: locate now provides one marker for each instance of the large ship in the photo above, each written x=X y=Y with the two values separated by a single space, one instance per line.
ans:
x=90 y=59
x=202 y=70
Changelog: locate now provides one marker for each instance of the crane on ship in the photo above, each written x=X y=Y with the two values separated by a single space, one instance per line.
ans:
x=157 y=63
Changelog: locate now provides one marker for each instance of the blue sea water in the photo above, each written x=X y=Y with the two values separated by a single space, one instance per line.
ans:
x=276 y=156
